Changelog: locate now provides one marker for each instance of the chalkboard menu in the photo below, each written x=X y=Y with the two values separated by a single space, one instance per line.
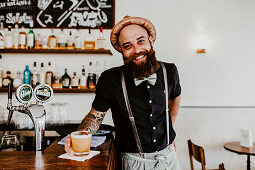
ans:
x=58 y=13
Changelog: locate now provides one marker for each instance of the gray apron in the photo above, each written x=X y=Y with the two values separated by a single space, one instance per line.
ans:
x=165 y=159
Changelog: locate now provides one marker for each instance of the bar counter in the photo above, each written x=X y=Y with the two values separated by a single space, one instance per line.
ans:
x=48 y=159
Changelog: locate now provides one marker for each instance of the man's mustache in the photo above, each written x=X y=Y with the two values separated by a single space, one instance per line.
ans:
x=134 y=56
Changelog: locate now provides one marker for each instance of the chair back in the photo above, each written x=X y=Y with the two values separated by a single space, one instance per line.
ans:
x=197 y=152
x=221 y=166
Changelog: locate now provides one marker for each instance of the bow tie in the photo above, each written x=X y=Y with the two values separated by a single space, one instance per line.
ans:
x=151 y=79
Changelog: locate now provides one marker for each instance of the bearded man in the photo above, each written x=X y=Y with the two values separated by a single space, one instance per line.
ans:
x=144 y=97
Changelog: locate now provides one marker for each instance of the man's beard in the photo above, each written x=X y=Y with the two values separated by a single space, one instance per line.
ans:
x=144 y=68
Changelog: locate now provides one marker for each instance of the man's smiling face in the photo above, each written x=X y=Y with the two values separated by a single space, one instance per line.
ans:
x=135 y=43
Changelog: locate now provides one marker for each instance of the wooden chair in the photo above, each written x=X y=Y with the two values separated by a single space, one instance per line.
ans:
x=198 y=153
x=221 y=166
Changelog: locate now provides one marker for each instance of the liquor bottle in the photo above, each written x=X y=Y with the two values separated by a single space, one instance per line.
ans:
x=66 y=80
x=78 y=40
x=16 y=36
x=89 y=42
x=56 y=79
x=38 y=42
x=52 y=40
x=101 y=40
x=42 y=74
x=74 y=81
x=8 y=38
x=27 y=76
x=49 y=75
x=90 y=79
x=22 y=38
x=62 y=40
x=7 y=79
x=44 y=42
x=97 y=72
x=31 y=37
x=70 y=42
x=17 y=81
x=1 y=71
x=1 y=35
x=34 y=75
x=83 y=80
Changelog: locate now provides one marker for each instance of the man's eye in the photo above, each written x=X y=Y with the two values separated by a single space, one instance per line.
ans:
x=127 y=46
x=140 y=41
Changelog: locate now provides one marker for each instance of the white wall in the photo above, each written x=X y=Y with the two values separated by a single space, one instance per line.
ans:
x=221 y=77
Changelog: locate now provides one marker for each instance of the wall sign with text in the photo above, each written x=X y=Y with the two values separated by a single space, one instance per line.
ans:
x=58 y=13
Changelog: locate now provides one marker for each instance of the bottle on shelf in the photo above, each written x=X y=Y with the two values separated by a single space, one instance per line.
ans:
x=1 y=71
x=89 y=42
x=66 y=80
x=83 y=80
x=70 y=42
x=7 y=79
x=38 y=42
x=27 y=76
x=101 y=43
x=17 y=81
x=49 y=75
x=42 y=74
x=31 y=37
x=22 y=38
x=56 y=80
x=78 y=40
x=90 y=79
x=52 y=40
x=74 y=81
x=44 y=42
x=97 y=72
x=16 y=36
x=61 y=40
x=34 y=76
x=1 y=35
x=8 y=41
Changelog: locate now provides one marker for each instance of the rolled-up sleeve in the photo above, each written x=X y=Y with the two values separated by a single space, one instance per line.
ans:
x=104 y=97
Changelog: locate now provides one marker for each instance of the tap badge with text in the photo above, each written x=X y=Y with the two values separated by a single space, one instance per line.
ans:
x=24 y=93
x=43 y=92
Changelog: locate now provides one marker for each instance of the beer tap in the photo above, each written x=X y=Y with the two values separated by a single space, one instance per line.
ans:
x=36 y=112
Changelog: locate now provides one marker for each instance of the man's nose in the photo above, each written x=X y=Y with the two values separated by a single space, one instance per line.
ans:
x=136 y=49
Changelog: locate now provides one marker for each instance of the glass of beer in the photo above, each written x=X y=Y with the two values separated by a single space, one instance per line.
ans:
x=81 y=142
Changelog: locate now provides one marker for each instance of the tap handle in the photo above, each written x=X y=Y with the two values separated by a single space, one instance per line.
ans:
x=10 y=91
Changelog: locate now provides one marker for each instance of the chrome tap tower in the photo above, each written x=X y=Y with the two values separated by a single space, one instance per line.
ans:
x=42 y=93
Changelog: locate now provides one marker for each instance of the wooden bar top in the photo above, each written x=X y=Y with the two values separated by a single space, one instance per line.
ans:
x=48 y=159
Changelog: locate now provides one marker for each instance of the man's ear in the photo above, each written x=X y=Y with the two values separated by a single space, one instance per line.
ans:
x=120 y=49
x=151 y=41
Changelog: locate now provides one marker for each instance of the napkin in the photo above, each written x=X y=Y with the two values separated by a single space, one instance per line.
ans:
x=95 y=140
x=79 y=158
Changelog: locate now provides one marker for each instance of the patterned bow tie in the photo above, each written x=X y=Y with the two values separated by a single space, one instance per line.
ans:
x=151 y=79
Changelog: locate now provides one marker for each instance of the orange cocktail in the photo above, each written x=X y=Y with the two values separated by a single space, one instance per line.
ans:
x=81 y=142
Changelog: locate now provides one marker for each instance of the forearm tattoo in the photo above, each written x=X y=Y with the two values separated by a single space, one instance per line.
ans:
x=92 y=121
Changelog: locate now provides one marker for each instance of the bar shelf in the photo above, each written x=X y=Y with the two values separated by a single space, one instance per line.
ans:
x=55 y=51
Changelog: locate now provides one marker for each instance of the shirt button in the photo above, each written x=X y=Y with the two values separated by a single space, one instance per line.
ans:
x=154 y=127
x=154 y=140
x=150 y=115
x=148 y=87
x=150 y=101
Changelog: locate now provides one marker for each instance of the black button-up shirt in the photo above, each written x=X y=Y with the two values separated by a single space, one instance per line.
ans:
x=147 y=105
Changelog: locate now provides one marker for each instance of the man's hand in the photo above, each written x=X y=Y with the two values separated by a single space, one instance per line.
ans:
x=174 y=146
x=68 y=146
